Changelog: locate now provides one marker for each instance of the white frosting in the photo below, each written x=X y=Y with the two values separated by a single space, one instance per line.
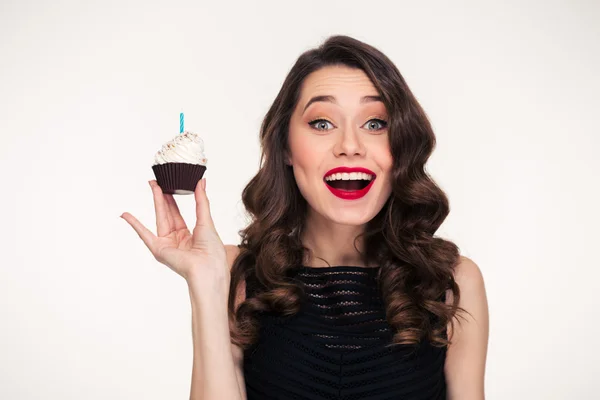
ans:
x=186 y=147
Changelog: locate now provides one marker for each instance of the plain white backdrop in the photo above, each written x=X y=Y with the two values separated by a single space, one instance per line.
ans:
x=89 y=91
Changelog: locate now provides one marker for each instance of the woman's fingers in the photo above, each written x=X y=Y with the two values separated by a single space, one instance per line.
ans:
x=144 y=233
x=164 y=223
x=203 y=217
x=178 y=220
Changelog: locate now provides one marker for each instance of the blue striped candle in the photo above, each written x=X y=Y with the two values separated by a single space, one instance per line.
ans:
x=180 y=122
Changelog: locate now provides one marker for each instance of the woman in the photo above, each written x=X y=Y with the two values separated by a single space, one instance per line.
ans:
x=339 y=288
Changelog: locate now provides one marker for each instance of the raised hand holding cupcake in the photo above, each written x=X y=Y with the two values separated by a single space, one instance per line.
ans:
x=179 y=167
x=198 y=256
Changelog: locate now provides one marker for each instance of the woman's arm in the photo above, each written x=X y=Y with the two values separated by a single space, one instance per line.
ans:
x=466 y=357
x=217 y=366
x=236 y=351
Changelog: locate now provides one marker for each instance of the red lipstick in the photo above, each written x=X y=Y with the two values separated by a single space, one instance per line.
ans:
x=350 y=194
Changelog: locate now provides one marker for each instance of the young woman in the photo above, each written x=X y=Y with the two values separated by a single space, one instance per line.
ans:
x=339 y=288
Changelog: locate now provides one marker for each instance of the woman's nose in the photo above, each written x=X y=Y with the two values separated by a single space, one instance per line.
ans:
x=349 y=143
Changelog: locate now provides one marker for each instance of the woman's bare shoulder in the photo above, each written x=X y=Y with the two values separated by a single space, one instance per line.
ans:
x=232 y=251
x=468 y=275
x=469 y=279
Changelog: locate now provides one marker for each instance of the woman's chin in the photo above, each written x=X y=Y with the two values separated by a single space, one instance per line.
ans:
x=350 y=217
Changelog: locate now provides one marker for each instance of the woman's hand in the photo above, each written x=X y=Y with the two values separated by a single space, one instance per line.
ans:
x=199 y=257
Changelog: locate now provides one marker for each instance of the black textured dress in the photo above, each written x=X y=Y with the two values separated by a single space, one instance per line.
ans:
x=335 y=347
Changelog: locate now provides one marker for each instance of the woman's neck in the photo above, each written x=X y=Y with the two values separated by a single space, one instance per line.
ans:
x=332 y=244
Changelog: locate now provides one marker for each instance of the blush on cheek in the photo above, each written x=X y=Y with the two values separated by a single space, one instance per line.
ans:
x=302 y=150
x=307 y=154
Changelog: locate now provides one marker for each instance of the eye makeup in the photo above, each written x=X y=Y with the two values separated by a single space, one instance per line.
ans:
x=381 y=120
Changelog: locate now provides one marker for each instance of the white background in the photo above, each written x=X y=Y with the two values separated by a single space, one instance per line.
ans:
x=89 y=91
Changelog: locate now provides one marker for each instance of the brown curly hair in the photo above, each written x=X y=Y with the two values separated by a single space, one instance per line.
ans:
x=416 y=267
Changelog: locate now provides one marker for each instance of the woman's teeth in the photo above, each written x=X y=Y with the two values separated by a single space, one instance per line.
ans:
x=352 y=176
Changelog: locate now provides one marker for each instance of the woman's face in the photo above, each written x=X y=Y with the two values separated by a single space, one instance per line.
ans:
x=348 y=129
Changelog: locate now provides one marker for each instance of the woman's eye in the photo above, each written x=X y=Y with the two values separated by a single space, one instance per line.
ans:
x=373 y=124
x=381 y=122
x=321 y=123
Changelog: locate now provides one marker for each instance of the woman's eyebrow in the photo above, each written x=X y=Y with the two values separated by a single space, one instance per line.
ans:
x=331 y=99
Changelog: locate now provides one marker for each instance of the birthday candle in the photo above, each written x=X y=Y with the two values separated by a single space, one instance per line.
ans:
x=180 y=122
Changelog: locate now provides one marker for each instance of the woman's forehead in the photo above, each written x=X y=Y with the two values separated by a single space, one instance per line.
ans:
x=340 y=79
x=338 y=86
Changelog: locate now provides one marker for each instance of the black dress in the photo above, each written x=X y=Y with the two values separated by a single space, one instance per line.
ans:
x=335 y=347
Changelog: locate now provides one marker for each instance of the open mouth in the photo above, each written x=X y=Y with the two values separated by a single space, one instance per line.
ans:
x=349 y=181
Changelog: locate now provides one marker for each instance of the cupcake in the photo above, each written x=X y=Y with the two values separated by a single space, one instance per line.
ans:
x=180 y=164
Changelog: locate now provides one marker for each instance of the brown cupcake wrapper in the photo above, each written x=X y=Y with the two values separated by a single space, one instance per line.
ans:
x=176 y=177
